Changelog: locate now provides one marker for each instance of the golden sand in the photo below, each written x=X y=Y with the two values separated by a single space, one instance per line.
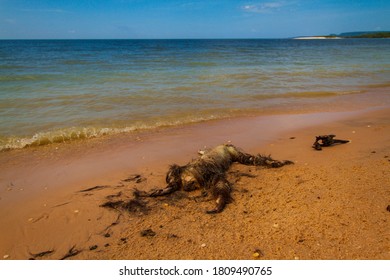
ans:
x=331 y=204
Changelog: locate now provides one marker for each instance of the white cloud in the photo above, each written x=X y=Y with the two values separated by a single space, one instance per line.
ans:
x=261 y=8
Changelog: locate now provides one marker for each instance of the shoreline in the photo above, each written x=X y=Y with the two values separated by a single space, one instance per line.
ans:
x=298 y=103
x=44 y=210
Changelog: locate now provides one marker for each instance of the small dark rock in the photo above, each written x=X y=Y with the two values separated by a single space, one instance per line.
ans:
x=107 y=235
x=94 y=247
x=148 y=233
x=123 y=240
x=388 y=208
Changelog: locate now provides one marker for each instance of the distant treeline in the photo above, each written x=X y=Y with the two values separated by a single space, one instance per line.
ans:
x=373 y=34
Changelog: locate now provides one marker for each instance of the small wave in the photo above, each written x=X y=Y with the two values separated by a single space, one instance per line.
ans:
x=315 y=94
x=75 y=133
x=10 y=67
x=304 y=94
x=77 y=62
x=201 y=64
x=27 y=77
x=381 y=85
x=58 y=136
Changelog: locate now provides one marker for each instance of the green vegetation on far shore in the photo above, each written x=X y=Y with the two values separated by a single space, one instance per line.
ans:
x=367 y=34
x=351 y=35
x=371 y=35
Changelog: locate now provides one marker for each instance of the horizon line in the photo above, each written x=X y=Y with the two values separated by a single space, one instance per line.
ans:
x=233 y=38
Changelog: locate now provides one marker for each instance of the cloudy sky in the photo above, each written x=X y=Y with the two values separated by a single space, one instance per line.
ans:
x=136 y=19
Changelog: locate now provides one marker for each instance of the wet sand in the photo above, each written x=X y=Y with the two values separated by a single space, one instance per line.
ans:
x=331 y=204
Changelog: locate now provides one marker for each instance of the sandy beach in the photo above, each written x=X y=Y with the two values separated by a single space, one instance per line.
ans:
x=331 y=204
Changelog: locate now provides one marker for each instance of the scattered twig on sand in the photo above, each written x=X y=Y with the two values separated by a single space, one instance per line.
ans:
x=71 y=253
x=113 y=223
x=62 y=204
x=41 y=254
x=93 y=188
x=136 y=178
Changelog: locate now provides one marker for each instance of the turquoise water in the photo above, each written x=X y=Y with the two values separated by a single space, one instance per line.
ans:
x=58 y=90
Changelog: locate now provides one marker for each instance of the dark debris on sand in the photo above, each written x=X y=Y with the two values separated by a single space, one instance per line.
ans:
x=135 y=205
x=148 y=233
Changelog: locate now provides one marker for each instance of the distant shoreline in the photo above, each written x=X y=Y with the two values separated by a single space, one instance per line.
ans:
x=316 y=38
x=350 y=35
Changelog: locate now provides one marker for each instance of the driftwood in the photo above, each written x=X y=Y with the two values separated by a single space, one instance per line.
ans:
x=208 y=173
x=326 y=141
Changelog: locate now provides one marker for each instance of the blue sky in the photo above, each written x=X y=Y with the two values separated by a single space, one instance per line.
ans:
x=134 y=19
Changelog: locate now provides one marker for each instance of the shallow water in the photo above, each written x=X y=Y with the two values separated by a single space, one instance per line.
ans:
x=59 y=90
